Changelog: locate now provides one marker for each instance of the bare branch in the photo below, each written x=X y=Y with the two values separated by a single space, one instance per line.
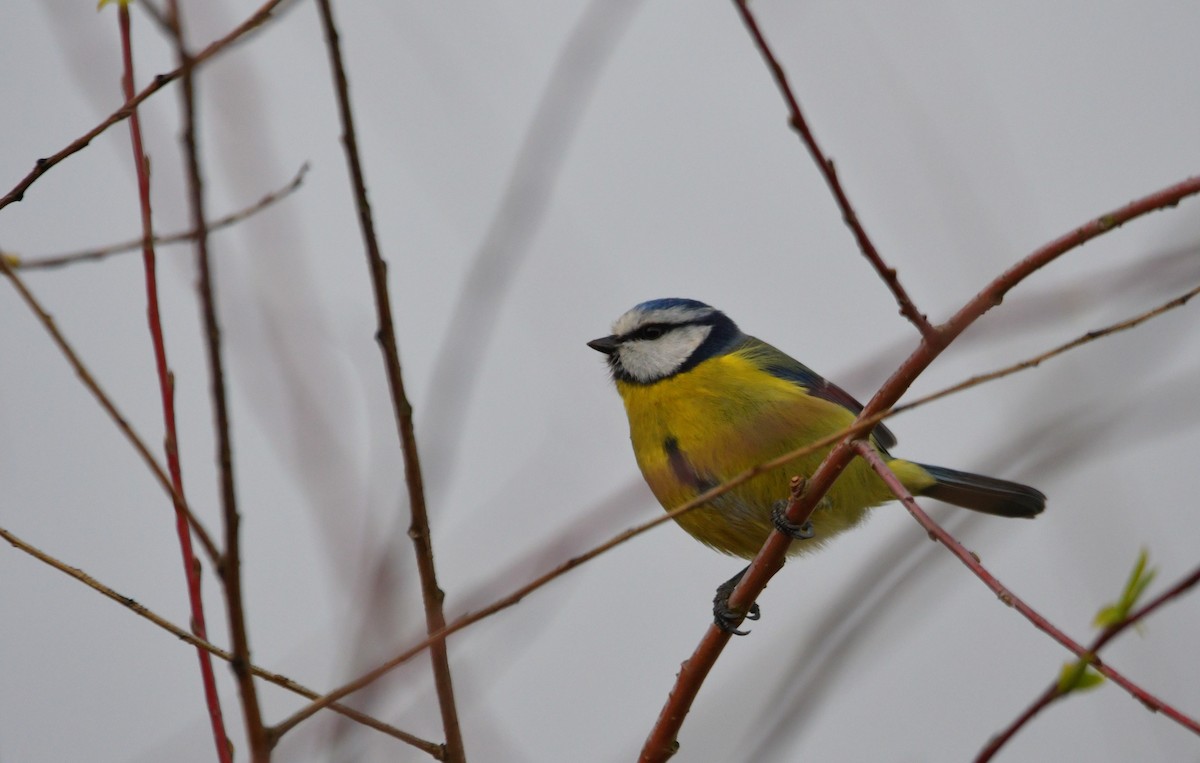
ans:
x=431 y=594
x=825 y=165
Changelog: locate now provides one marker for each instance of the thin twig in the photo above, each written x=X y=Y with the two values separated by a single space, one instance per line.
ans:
x=166 y=385
x=1055 y=691
x=856 y=429
x=278 y=679
x=431 y=594
x=661 y=743
x=110 y=408
x=230 y=569
x=825 y=165
x=43 y=165
x=87 y=255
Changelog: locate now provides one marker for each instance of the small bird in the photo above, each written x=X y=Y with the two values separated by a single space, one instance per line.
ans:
x=706 y=402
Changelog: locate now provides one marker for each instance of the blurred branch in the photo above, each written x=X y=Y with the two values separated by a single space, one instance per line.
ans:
x=43 y=165
x=863 y=425
x=110 y=408
x=166 y=386
x=661 y=743
x=276 y=678
x=825 y=164
x=60 y=260
x=431 y=594
x=165 y=25
x=518 y=218
x=1055 y=690
x=230 y=569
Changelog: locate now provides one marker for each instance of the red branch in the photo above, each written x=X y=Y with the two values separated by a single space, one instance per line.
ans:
x=661 y=743
x=191 y=567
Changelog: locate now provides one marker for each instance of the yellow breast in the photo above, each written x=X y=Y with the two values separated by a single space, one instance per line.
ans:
x=702 y=427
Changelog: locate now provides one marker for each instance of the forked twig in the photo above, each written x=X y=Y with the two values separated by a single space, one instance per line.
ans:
x=872 y=457
x=1037 y=360
x=1055 y=691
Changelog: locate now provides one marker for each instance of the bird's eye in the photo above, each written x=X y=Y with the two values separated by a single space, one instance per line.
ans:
x=652 y=332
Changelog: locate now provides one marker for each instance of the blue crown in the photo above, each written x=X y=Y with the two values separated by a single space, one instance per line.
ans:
x=668 y=302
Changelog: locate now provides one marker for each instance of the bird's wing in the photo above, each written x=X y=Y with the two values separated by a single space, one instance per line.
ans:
x=783 y=366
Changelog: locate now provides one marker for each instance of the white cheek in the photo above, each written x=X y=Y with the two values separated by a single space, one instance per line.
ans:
x=648 y=360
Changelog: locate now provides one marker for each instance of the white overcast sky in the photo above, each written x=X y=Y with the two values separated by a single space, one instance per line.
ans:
x=966 y=134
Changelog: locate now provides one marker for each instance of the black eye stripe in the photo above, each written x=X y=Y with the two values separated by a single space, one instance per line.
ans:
x=651 y=331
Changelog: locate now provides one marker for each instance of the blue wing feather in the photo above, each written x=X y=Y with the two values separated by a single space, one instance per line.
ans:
x=783 y=366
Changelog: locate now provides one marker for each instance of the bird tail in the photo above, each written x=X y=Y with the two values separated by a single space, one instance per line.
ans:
x=986 y=494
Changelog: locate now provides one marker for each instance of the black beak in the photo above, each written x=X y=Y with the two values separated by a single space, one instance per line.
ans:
x=605 y=344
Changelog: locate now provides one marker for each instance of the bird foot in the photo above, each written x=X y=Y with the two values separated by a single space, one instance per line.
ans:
x=726 y=617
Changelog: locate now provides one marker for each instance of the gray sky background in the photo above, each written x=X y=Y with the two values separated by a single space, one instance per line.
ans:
x=965 y=134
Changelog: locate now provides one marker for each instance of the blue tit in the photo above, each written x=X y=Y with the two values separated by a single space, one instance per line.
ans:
x=706 y=402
